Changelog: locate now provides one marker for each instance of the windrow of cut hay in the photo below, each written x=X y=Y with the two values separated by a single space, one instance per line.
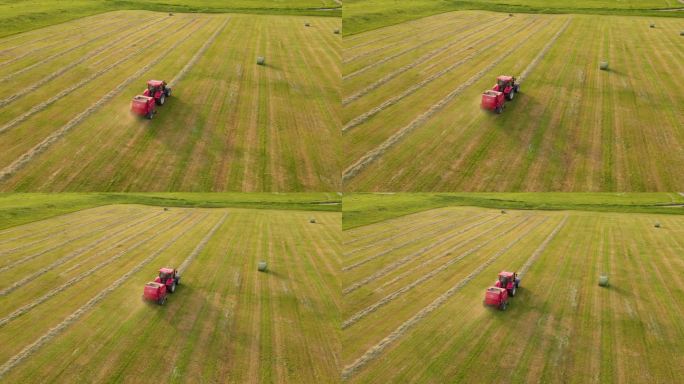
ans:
x=376 y=153
x=63 y=69
x=400 y=227
x=24 y=309
x=41 y=147
x=379 y=348
x=86 y=234
x=86 y=80
x=72 y=255
x=429 y=55
x=392 y=296
x=396 y=264
x=388 y=250
x=52 y=333
x=355 y=122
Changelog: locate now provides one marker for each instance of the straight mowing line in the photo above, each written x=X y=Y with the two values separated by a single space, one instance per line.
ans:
x=62 y=53
x=41 y=147
x=423 y=59
x=57 y=246
x=389 y=298
x=40 y=107
x=392 y=249
x=374 y=154
x=403 y=233
x=409 y=91
x=61 y=71
x=398 y=54
x=380 y=347
x=53 y=332
x=365 y=236
x=55 y=291
x=75 y=254
x=412 y=256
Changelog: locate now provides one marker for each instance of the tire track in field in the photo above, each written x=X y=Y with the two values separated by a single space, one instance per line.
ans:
x=74 y=280
x=398 y=54
x=380 y=347
x=64 y=69
x=79 y=252
x=531 y=66
x=391 y=267
x=104 y=215
x=28 y=258
x=41 y=106
x=188 y=66
x=541 y=248
x=397 y=228
x=389 y=298
x=53 y=332
x=384 y=47
x=201 y=244
x=73 y=227
x=64 y=52
x=427 y=57
x=362 y=118
x=374 y=154
x=392 y=249
x=409 y=230
x=48 y=141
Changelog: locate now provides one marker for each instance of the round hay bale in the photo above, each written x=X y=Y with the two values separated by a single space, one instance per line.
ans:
x=307 y=24
x=503 y=211
x=657 y=225
x=337 y=31
x=652 y=25
x=312 y=220
x=262 y=266
x=603 y=280
x=604 y=66
x=510 y=15
x=170 y=14
x=166 y=209
x=261 y=60
x=681 y=33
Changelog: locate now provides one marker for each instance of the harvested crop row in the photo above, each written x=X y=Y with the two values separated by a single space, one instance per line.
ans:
x=392 y=296
x=86 y=80
x=35 y=346
x=400 y=228
x=24 y=159
x=421 y=84
x=379 y=151
x=379 y=348
x=70 y=256
x=396 y=264
x=24 y=309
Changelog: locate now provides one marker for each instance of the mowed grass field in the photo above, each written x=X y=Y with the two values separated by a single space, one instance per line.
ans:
x=414 y=285
x=412 y=121
x=71 y=287
x=230 y=125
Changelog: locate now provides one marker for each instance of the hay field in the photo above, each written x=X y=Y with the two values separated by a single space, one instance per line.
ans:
x=71 y=307
x=412 y=122
x=230 y=126
x=413 y=289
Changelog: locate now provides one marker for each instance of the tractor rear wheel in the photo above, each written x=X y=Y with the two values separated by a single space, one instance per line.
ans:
x=514 y=290
x=511 y=94
x=162 y=99
x=173 y=287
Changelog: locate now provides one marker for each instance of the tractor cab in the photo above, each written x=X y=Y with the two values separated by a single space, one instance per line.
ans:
x=507 y=85
x=169 y=277
x=509 y=281
x=159 y=90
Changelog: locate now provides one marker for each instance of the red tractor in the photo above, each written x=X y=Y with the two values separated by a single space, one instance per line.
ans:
x=165 y=283
x=156 y=93
x=505 y=89
x=505 y=286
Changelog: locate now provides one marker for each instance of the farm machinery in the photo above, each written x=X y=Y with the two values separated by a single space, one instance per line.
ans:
x=506 y=286
x=505 y=89
x=165 y=283
x=155 y=94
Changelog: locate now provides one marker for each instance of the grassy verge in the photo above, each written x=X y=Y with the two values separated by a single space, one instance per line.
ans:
x=24 y=15
x=364 y=208
x=22 y=208
x=365 y=15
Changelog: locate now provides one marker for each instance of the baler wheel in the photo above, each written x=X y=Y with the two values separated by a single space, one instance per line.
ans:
x=504 y=305
x=149 y=115
x=162 y=300
x=498 y=109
